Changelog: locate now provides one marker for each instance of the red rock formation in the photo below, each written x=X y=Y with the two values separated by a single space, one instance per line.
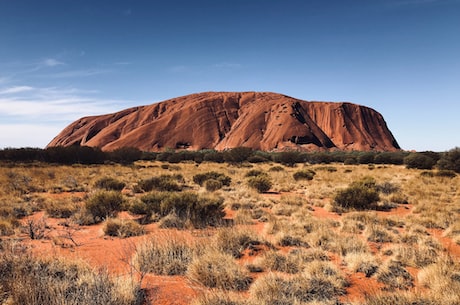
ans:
x=220 y=120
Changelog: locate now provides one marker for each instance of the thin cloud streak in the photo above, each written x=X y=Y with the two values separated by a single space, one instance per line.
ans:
x=16 y=89
x=77 y=73
x=53 y=104
x=51 y=62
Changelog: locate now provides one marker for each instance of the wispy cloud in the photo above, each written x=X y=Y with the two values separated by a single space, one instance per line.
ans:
x=15 y=89
x=77 y=73
x=32 y=116
x=52 y=104
x=51 y=62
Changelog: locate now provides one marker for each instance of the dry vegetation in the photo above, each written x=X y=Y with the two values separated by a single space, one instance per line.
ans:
x=233 y=234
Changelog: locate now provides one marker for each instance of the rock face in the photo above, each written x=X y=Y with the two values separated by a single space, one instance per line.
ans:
x=221 y=120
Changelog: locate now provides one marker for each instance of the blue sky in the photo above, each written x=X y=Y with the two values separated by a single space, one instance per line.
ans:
x=61 y=60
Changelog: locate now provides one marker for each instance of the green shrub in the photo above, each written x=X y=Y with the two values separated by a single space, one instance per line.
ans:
x=212 y=185
x=152 y=202
x=359 y=195
x=237 y=154
x=260 y=183
x=167 y=183
x=109 y=184
x=288 y=158
x=199 y=210
x=304 y=175
x=419 y=161
x=104 y=204
x=200 y=179
x=450 y=160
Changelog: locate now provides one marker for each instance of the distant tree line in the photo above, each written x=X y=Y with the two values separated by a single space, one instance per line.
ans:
x=449 y=160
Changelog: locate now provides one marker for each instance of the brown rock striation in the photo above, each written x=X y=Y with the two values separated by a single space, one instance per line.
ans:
x=221 y=120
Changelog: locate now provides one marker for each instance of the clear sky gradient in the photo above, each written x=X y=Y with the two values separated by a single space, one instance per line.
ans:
x=61 y=60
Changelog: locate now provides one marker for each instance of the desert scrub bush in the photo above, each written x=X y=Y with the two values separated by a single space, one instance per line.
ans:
x=416 y=256
x=359 y=195
x=8 y=226
x=320 y=282
x=399 y=198
x=201 y=178
x=261 y=184
x=191 y=207
x=109 y=184
x=419 y=161
x=54 y=281
x=291 y=263
x=284 y=210
x=306 y=174
x=350 y=244
x=164 y=254
x=169 y=183
x=212 y=185
x=378 y=234
x=362 y=262
x=445 y=173
x=61 y=208
x=214 y=269
x=122 y=227
x=450 y=160
x=234 y=241
x=330 y=169
x=199 y=210
x=284 y=239
x=255 y=173
x=104 y=204
x=276 y=168
x=172 y=221
x=394 y=276
x=387 y=187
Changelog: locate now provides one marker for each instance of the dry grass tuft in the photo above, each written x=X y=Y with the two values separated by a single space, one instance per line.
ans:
x=218 y=270
x=164 y=254
x=394 y=276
